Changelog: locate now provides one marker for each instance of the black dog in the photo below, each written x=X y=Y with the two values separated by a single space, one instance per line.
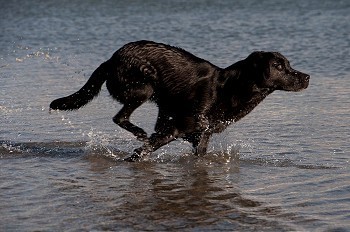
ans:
x=195 y=98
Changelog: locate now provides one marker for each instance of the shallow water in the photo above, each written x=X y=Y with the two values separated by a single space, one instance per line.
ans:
x=283 y=167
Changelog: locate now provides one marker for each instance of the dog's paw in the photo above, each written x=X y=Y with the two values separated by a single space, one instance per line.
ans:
x=141 y=135
x=139 y=153
x=133 y=158
x=143 y=138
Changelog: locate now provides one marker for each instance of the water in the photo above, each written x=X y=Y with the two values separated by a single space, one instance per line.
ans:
x=283 y=167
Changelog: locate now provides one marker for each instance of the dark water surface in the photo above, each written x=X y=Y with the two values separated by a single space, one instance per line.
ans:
x=283 y=167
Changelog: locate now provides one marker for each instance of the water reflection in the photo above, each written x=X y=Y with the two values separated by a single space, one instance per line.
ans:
x=188 y=193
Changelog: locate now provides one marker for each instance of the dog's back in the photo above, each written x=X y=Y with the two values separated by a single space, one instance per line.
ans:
x=170 y=70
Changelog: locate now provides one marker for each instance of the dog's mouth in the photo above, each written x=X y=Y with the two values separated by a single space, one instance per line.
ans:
x=302 y=83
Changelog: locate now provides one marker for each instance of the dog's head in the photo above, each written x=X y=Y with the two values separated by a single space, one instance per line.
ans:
x=272 y=70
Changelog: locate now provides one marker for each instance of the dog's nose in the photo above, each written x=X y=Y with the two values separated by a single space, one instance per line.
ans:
x=305 y=76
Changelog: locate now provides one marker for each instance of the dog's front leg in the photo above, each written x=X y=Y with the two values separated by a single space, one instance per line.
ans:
x=200 y=143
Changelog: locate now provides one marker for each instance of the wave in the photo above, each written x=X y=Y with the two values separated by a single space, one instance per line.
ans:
x=68 y=149
x=16 y=149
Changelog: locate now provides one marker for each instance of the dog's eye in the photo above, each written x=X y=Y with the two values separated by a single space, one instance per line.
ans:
x=278 y=66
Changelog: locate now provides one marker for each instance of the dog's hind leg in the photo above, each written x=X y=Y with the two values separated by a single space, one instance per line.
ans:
x=122 y=118
x=199 y=140
x=156 y=141
x=165 y=132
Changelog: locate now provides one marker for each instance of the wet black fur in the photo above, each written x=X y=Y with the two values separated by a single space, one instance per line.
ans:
x=195 y=98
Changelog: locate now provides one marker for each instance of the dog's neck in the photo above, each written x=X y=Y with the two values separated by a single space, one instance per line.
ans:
x=240 y=93
x=236 y=83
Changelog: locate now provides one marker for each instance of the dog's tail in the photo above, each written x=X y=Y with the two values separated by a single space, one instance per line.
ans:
x=87 y=92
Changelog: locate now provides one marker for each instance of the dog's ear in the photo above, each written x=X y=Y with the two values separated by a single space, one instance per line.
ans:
x=256 y=58
x=258 y=63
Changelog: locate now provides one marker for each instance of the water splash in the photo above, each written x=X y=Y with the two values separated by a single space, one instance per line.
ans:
x=9 y=110
x=45 y=53
x=99 y=142
x=10 y=148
